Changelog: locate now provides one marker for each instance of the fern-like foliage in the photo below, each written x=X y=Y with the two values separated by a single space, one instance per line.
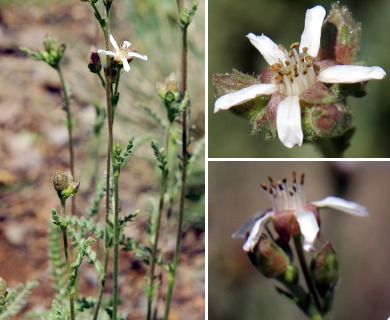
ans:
x=86 y=226
x=88 y=251
x=154 y=116
x=161 y=158
x=15 y=300
x=97 y=199
x=57 y=262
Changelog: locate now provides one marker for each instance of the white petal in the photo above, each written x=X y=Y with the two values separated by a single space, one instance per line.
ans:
x=255 y=234
x=113 y=42
x=342 y=205
x=350 y=74
x=233 y=99
x=126 y=65
x=107 y=53
x=288 y=122
x=311 y=35
x=309 y=228
x=126 y=44
x=137 y=55
x=248 y=225
x=267 y=48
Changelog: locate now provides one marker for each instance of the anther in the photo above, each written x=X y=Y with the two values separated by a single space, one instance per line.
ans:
x=305 y=49
x=280 y=47
x=294 y=45
x=264 y=187
x=287 y=63
x=302 y=179
x=270 y=179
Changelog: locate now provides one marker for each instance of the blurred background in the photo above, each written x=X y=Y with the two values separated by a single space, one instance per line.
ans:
x=34 y=142
x=238 y=291
x=283 y=22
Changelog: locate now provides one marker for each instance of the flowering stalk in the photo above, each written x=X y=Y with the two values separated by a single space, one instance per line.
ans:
x=186 y=16
x=292 y=217
x=65 y=186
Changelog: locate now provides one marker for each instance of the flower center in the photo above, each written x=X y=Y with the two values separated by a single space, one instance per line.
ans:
x=284 y=197
x=296 y=73
x=122 y=51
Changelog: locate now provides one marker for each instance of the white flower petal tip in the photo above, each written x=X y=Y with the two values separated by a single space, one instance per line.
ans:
x=126 y=65
x=288 y=122
x=351 y=74
x=308 y=247
x=308 y=226
x=236 y=98
x=255 y=233
x=342 y=205
x=113 y=42
x=126 y=44
x=107 y=53
x=311 y=35
x=137 y=55
x=268 y=49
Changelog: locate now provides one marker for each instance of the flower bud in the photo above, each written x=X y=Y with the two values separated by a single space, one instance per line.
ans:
x=340 y=36
x=269 y=258
x=61 y=180
x=64 y=185
x=95 y=63
x=328 y=120
x=324 y=268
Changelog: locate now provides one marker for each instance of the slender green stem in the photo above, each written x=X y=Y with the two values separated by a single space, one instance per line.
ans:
x=155 y=240
x=306 y=273
x=103 y=82
x=66 y=249
x=105 y=28
x=66 y=106
x=183 y=89
x=116 y=244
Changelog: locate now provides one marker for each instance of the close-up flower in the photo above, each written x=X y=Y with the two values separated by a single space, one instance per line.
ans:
x=122 y=53
x=297 y=78
x=292 y=214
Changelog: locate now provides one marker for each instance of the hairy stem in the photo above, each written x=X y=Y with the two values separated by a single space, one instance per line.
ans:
x=67 y=260
x=183 y=89
x=66 y=107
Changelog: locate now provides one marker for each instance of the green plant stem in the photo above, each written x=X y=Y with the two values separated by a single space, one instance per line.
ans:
x=66 y=249
x=102 y=283
x=183 y=89
x=116 y=244
x=105 y=28
x=155 y=240
x=66 y=107
x=306 y=273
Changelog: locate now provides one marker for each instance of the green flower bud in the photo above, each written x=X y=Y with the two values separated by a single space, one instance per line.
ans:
x=324 y=268
x=269 y=258
x=340 y=36
x=61 y=180
x=64 y=185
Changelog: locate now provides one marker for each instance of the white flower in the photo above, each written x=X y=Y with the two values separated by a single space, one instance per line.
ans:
x=122 y=53
x=290 y=207
x=295 y=74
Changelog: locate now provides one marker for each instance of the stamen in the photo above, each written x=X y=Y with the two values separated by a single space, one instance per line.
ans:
x=294 y=45
x=302 y=179
x=270 y=179
x=305 y=49
x=264 y=187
